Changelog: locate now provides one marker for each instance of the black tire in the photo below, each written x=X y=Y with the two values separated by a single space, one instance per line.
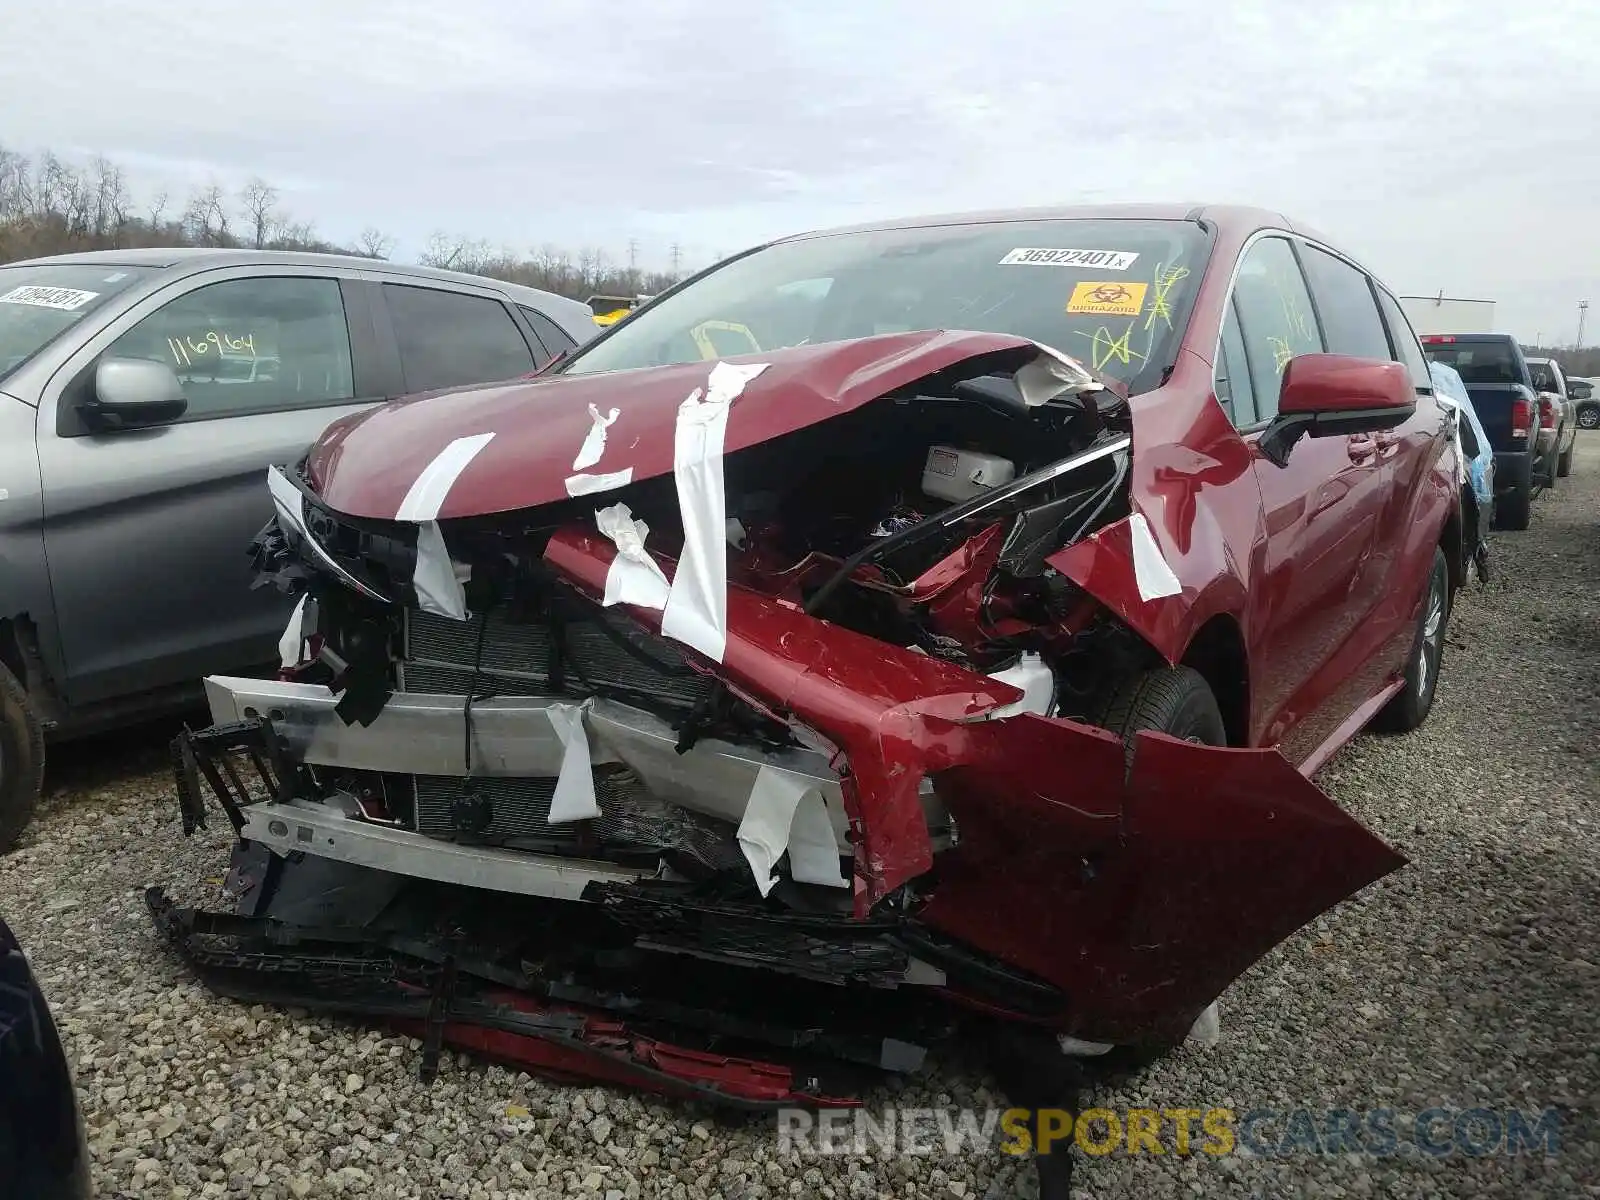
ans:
x=1564 y=463
x=1175 y=700
x=1589 y=416
x=1411 y=705
x=21 y=760
x=1514 y=509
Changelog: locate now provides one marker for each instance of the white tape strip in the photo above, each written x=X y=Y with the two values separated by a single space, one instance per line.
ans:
x=293 y=637
x=434 y=577
x=1050 y=374
x=634 y=577
x=574 y=795
x=697 y=608
x=588 y=485
x=786 y=812
x=1151 y=573
x=428 y=493
x=594 y=445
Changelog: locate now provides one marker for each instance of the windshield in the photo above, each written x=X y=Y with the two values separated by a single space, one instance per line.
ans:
x=38 y=303
x=1489 y=361
x=1113 y=293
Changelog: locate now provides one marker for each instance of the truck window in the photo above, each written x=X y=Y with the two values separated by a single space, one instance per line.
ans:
x=450 y=339
x=1544 y=377
x=1478 y=361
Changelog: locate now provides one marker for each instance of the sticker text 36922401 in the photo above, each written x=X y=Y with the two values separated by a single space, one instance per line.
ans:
x=1046 y=256
x=1108 y=297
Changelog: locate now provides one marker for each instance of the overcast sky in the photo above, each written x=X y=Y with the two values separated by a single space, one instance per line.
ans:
x=1450 y=146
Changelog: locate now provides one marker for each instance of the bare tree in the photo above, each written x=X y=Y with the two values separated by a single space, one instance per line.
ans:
x=205 y=219
x=156 y=214
x=16 y=185
x=374 y=243
x=452 y=253
x=109 y=189
x=260 y=201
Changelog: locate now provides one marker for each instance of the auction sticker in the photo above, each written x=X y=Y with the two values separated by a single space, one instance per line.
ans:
x=1109 y=298
x=1044 y=256
x=48 y=297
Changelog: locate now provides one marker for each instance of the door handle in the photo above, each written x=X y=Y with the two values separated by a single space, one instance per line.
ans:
x=1361 y=446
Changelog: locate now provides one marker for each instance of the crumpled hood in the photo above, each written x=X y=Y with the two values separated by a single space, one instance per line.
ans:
x=365 y=465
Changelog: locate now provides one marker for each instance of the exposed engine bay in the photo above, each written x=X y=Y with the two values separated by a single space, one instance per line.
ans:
x=816 y=708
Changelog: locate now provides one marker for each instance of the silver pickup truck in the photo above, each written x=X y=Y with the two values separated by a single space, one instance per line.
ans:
x=143 y=393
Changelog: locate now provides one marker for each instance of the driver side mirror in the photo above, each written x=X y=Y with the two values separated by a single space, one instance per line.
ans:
x=134 y=393
x=1325 y=395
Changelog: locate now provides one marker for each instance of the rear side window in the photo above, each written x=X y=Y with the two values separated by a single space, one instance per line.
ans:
x=547 y=331
x=448 y=339
x=1350 y=319
x=1406 y=348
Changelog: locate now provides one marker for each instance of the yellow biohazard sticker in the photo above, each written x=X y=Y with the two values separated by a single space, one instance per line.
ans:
x=1110 y=298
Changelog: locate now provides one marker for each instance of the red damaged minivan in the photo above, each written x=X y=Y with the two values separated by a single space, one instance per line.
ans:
x=935 y=617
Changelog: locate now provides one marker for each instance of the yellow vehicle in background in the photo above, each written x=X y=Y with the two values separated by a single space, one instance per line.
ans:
x=608 y=310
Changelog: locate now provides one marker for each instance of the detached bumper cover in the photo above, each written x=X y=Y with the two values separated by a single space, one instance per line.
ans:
x=426 y=991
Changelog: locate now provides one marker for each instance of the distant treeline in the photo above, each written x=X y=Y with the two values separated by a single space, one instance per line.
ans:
x=1584 y=363
x=51 y=206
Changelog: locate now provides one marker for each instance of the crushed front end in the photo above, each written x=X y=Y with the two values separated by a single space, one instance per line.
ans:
x=777 y=755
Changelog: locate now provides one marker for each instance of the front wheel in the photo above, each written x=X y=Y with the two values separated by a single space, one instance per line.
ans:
x=1173 y=700
x=1589 y=418
x=21 y=759
x=1411 y=705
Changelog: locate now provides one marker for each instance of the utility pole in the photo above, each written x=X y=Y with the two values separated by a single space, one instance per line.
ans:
x=677 y=260
x=633 y=256
x=1583 y=317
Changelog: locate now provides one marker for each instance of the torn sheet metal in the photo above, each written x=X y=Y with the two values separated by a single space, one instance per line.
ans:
x=1053 y=374
x=432 y=486
x=697 y=606
x=293 y=638
x=634 y=577
x=1151 y=571
x=594 y=445
x=574 y=798
x=787 y=813
x=589 y=485
x=436 y=579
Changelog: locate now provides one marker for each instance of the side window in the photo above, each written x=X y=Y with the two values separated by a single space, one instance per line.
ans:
x=1234 y=388
x=1349 y=314
x=555 y=338
x=1406 y=347
x=448 y=339
x=250 y=345
x=1275 y=317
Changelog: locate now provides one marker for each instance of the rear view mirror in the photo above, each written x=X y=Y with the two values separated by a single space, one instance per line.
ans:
x=131 y=393
x=1324 y=395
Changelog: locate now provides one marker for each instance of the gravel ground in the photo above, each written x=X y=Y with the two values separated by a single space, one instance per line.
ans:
x=1468 y=979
